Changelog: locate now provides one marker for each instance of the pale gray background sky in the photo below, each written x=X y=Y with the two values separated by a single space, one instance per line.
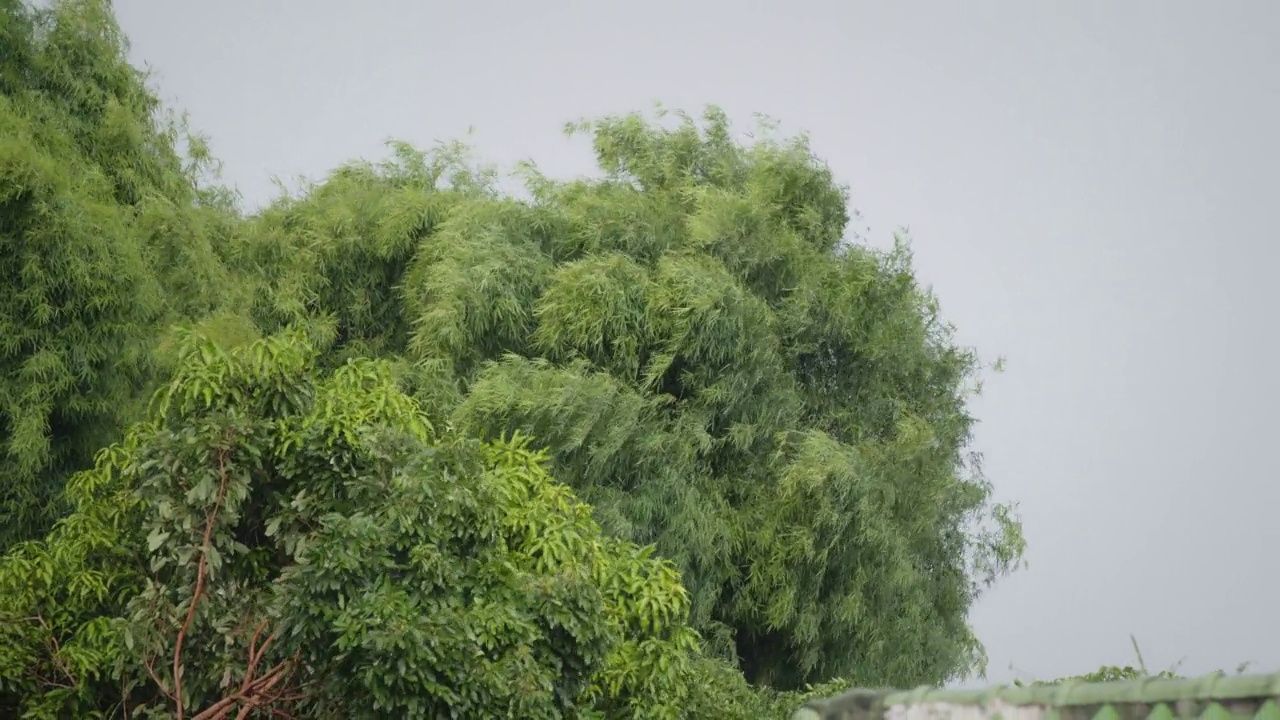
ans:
x=1086 y=184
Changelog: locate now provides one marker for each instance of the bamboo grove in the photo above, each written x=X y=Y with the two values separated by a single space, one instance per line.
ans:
x=658 y=443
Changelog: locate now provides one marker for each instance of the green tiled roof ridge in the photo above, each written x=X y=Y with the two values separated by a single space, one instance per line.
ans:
x=867 y=704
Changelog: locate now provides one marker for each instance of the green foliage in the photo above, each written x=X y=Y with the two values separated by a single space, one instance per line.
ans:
x=356 y=515
x=704 y=360
x=307 y=539
x=345 y=249
x=1106 y=673
x=59 y=648
x=104 y=238
x=1116 y=673
x=1112 y=673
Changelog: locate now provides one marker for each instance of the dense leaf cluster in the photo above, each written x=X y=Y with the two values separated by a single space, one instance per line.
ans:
x=104 y=239
x=707 y=364
x=357 y=514
x=270 y=523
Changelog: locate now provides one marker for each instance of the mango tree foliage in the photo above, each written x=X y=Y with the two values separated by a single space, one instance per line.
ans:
x=705 y=359
x=275 y=536
x=105 y=237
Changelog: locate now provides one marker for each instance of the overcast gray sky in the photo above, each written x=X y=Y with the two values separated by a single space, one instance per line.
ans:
x=1086 y=184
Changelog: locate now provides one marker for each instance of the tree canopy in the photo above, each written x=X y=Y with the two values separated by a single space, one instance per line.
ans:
x=706 y=361
x=106 y=239
x=275 y=537
x=761 y=425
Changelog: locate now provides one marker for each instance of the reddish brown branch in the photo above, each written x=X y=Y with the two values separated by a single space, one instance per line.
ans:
x=254 y=691
x=202 y=569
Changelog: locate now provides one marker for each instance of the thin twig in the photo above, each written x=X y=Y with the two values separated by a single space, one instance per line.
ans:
x=56 y=655
x=151 y=670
